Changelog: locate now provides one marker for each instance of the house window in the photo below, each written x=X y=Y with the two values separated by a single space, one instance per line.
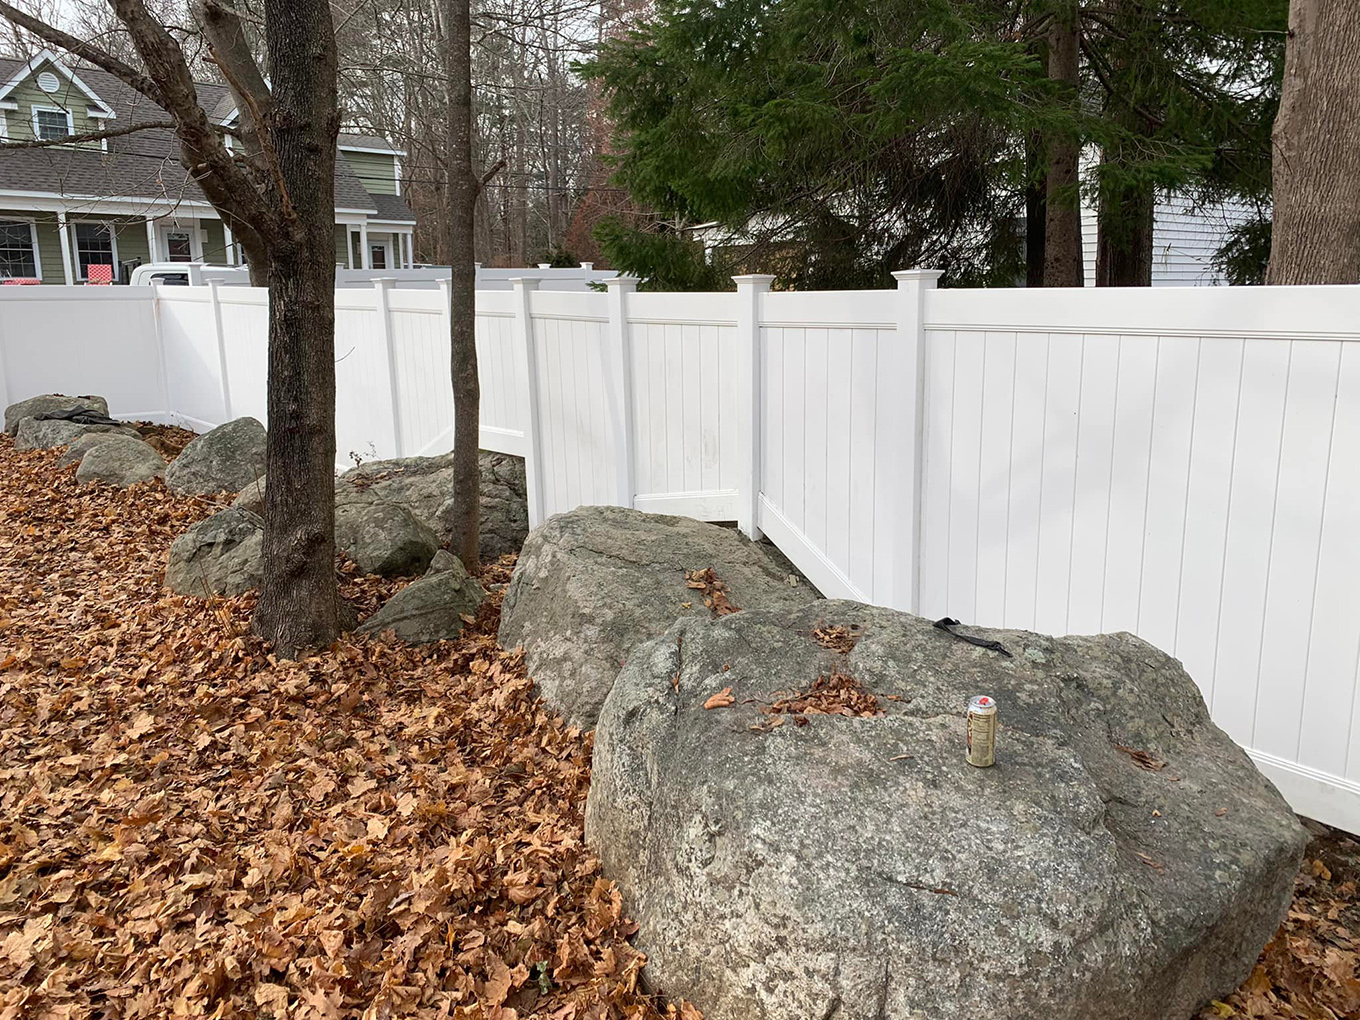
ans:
x=94 y=246
x=17 y=258
x=51 y=124
x=377 y=256
x=179 y=248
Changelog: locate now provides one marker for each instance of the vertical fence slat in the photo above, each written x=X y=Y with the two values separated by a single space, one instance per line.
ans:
x=749 y=291
x=527 y=355
x=216 y=301
x=620 y=389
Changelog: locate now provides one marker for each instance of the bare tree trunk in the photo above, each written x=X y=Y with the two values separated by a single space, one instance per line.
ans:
x=1036 y=212
x=1316 y=166
x=463 y=187
x=298 y=601
x=1124 y=238
x=1062 y=233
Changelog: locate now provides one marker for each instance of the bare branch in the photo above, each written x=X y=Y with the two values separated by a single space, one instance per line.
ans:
x=146 y=86
x=91 y=136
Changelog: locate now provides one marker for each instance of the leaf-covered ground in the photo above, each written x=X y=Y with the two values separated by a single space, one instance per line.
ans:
x=189 y=828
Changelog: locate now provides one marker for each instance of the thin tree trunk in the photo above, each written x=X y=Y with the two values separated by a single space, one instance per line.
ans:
x=462 y=292
x=1062 y=233
x=1316 y=148
x=298 y=600
x=1036 y=211
x=1124 y=238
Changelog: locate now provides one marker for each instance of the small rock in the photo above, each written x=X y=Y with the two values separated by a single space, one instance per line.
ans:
x=444 y=560
x=430 y=609
x=43 y=434
x=222 y=555
x=227 y=459
x=77 y=450
x=384 y=538
x=47 y=402
x=120 y=461
x=252 y=497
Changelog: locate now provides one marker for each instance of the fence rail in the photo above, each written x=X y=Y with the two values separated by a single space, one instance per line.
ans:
x=1179 y=463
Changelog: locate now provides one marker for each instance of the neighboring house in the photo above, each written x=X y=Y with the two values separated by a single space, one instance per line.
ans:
x=1185 y=239
x=127 y=200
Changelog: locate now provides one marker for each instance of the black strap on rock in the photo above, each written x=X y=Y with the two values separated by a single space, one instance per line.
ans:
x=948 y=624
x=78 y=415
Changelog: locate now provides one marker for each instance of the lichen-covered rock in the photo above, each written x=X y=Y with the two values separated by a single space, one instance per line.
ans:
x=251 y=497
x=384 y=538
x=43 y=434
x=227 y=459
x=77 y=450
x=424 y=485
x=858 y=868
x=592 y=584
x=48 y=402
x=431 y=608
x=443 y=560
x=121 y=461
x=221 y=555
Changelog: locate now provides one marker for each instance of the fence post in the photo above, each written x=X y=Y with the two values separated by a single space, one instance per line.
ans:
x=527 y=355
x=382 y=287
x=749 y=291
x=903 y=364
x=620 y=381
x=215 y=300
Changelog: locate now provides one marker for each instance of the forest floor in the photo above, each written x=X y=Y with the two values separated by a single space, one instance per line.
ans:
x=191 y=828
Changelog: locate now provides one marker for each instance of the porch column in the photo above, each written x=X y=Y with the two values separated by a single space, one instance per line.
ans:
x=150 y=239
x=65 y=232
x=363 y=245
x=231 y=247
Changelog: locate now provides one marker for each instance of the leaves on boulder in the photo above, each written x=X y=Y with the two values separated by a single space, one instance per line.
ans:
x=712 y=589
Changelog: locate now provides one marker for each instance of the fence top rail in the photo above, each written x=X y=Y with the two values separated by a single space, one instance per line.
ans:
x=1319 y=313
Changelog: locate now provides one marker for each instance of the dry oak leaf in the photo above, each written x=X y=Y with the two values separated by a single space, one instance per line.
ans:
x=720 y=700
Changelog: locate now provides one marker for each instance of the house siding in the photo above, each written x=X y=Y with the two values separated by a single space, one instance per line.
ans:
x=341 y=234
x=68 y=97
x=214 y=242
x=376 y=172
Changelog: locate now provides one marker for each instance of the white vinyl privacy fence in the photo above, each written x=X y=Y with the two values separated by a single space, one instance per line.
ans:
x=1180 y=463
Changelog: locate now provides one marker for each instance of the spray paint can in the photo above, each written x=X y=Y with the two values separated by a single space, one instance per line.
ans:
x=981 y=730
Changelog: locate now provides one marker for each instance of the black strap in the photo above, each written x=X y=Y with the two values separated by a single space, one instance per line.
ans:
x=947 y=624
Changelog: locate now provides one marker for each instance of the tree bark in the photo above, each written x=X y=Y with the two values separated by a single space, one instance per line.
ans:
x=1316 y=148
x=1062 y=233
x=298 y=600
x=463 y=188
x=1124 y=236
x=1036 y=211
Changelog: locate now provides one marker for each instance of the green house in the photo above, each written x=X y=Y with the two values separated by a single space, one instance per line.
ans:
x=120 y=202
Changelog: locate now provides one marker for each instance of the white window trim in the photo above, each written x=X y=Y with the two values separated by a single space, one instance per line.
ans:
x=70 y=119
x=32 y=239
x=75 y=246
x=163 y=232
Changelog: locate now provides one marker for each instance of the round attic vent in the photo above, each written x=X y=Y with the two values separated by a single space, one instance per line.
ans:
x=48 y=82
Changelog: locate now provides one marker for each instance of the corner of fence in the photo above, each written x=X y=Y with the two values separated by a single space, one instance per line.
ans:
x=750 y=294
x=527 y=356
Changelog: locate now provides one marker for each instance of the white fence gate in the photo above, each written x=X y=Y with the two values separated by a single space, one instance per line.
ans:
x=1180 y=463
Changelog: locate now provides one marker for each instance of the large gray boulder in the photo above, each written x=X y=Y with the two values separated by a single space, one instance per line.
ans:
x=221 y=555
x=384 y=538
x=227 y=459
x=44 y=434
x=121 y=461
x=431 y=608
x=1123 y=859
x=424 y=485
x=592 y=584
x=75 y=453
x=252 y=497
x=49 y=402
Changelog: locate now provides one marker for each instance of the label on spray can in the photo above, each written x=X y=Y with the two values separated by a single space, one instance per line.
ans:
x=981 y=730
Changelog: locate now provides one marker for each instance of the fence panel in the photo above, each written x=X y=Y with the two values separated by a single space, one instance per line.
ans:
x=683 y=352
x=1176 y=470
x=77 y=340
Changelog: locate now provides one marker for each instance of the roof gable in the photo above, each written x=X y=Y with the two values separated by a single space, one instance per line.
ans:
x=44 y=59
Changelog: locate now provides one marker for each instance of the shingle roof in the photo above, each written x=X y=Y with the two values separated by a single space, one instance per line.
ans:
x=144 y=165
x=392 y=207
x=366 y=142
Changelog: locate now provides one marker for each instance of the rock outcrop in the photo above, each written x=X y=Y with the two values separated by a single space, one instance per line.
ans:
x=227 y=459
x=121 y=461
x=220 y=555
x=49 y=402
x=384 y=538
x=592 y=584
x=431 y=608
x=46 y=433
x=1122 y=859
